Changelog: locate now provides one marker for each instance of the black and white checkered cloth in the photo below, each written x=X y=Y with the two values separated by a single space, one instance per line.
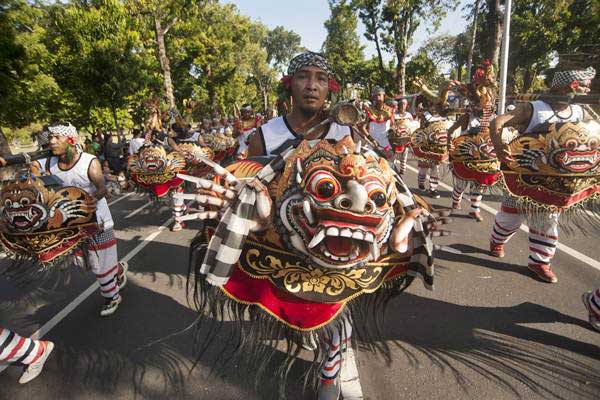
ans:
x=564 y=78
x=225 y=246
x=309 y=59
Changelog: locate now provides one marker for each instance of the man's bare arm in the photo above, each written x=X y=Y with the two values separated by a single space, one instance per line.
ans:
x=255 y=145
x=97 y=178
x=518 y=119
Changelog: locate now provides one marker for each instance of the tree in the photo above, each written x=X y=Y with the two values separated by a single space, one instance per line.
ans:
x=495 y=22
x=472 y=36
x=163 y=15
x=342 y=44
x=101 y=57
x=392 y=24
x=370 y=13
x=281 y=45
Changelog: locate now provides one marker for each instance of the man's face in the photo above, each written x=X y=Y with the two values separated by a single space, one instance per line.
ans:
x=403 y=105
x=58 y=144
x=379 y=98
x=310 y=87
x=246 y=114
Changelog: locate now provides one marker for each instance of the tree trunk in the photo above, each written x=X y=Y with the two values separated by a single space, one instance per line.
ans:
x=472 y=41
x=164 y=62
x=401 y=72
x=4 y=146
x=117 y=127
x=495 y=23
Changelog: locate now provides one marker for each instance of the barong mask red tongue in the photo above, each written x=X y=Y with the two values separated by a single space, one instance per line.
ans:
x=338 y=206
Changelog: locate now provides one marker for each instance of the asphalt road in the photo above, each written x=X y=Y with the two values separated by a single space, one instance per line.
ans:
x=489 y=330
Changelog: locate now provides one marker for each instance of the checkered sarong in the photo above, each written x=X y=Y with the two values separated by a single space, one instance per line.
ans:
x=225 y=246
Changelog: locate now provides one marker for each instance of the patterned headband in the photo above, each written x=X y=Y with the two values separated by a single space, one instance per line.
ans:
x=309 y=59
x=564 y=78
x=64 y=130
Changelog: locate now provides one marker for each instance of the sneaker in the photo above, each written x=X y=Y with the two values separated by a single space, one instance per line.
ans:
x=421 y=186
x=434 y=194
x=476 y=215
x=110 y=306
x=543 y=272
x=34 y=369
x=122 y=275
x=593 y=317
x=177 y=226
x=496 y=250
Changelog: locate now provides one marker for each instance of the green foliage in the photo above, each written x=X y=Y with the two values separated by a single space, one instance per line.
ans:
x=342 y=45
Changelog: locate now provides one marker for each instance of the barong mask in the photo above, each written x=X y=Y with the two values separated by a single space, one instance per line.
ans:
x=43 y=223
x=336 y=203
x=556 y=166
x=152 y=165
x=431 y=142
x=403 y=132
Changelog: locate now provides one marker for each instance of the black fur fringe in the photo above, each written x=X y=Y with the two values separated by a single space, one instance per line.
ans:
x=256 y=337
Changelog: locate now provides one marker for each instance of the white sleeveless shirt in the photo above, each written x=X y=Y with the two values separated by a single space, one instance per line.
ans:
x=542 y=112
x=78 y=176
x=277 y=131
x=379 y=132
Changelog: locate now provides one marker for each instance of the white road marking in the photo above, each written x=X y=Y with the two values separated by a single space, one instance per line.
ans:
x=349 y=379
x=115 y=201
x=62 y=314
x=134 y=212
x=570 y=251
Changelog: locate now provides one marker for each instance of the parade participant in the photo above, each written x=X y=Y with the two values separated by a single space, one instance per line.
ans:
x=136 y=142
x=245 y=127
x=380 y=119
x=82 y=170
x=430 y=143
x=19 y=350
x=216 y=126
x=528 y=118
x=473 y=161
x=309 y=80
x=405 y=119
x=322 y=214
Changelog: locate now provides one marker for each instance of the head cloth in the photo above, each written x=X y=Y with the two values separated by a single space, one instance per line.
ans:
x=68 y=131
x=309 y=59
x=564 y=78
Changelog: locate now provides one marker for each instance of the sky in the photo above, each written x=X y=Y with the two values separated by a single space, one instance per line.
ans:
x=306 y=17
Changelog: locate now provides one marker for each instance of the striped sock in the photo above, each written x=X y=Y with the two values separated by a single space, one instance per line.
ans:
x=542 y=246
x=501 y=234
x=108 y=282
x=475 y=202
x=330 y=369
x=433 y=182
x=594 y=301
x=17 y=349
x=456 y=196
x=422 y=176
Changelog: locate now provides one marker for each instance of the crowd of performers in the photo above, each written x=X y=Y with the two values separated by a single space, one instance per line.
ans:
x=309 y=227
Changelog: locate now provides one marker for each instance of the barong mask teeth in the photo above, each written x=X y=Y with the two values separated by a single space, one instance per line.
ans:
x=152 y=165
x=338 y=206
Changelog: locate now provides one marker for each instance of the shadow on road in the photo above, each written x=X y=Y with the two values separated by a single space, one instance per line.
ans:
x=492 y=342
